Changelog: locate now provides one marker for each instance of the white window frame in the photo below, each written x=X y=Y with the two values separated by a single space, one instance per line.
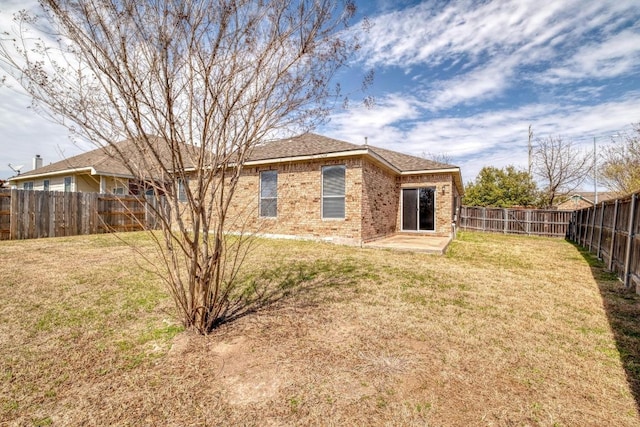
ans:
x=46 y=185
x=68 y=187
x=264 y=199
x=333 y=196
x=28 y=185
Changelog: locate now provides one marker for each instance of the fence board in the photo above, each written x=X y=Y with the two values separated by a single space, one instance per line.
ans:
x=619 y=242
x=550 y=223
x=28 y=214
x=5 y=214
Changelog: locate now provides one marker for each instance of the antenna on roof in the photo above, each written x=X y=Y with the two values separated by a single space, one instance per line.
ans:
x=16 y=169
x=366 y=141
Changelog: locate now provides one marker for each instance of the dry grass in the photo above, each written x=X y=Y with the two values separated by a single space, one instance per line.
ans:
x=502 y=331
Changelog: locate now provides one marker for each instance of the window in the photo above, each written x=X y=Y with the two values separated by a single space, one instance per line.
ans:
x=27 y=185
x=182 y=190
x=45 y=185
x=333 y=185
x=118 y=191
x=269 y=194
x=67 y=184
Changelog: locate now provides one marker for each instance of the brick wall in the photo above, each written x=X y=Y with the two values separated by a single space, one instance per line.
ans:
x=300 y=202
x=444 y=193
x=372 y=202
x=380 y=201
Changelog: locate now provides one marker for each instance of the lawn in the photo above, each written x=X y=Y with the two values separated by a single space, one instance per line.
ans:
x=503 y=330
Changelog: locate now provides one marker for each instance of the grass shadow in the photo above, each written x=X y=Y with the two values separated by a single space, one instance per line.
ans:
x=623 y=313
x=309 y=282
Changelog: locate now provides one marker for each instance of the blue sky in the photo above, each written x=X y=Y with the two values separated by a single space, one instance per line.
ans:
x=464 y=79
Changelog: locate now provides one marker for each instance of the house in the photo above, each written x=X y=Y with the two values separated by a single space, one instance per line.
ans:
x=311 y=186
x=581 y=200
x=95 y=171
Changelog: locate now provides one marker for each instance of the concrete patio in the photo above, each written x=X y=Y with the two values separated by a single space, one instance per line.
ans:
x=412 y=243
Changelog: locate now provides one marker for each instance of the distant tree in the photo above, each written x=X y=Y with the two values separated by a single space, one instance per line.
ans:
x=438 y=157
x=502 y=188
x=192 y=86
x=561 y=166
x=620 y=165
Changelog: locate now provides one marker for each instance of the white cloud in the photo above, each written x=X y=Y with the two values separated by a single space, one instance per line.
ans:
x=491 y=138
x=479 y=84
x=496 y=45
x=613 y=57
x=25 y=134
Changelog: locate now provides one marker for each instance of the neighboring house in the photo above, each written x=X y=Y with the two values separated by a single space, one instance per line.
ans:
x=94 y=171
x=316 y=187
x=581 y=200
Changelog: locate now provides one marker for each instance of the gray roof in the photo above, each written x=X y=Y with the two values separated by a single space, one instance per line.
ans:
x=102 y=160
x=310 y=144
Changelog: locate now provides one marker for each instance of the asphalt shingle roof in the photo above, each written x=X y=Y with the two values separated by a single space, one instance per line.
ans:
x=101 y=159
x=310 y=144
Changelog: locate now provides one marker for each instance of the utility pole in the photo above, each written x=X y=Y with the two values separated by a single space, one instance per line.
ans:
x=530 y=148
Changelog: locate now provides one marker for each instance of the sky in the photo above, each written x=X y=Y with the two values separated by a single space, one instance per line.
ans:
x=462 y=79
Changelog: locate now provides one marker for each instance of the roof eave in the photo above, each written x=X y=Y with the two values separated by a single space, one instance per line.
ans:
x=52 y=173
x=91 y=170
x=290 y=159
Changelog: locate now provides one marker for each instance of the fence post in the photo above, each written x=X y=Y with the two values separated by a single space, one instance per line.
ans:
x=593 y=227
x=505 y=217
x=599 y=250
x=578 y=227
x=627 y=260
x=613 y=236
x=484 y=219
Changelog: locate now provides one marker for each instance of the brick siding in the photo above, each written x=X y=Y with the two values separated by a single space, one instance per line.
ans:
x=444 y=194
x=372 y=201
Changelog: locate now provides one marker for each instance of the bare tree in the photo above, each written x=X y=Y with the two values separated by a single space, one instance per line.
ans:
x=190 y=87
x=561 y=166
x=620 y=167
x=441 y=157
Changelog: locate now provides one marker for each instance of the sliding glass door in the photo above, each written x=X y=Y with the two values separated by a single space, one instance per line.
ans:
x=418 y=209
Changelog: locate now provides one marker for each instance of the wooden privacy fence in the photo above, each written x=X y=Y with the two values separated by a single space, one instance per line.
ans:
x=531 y=222
x=27 y=214
x=611 y=231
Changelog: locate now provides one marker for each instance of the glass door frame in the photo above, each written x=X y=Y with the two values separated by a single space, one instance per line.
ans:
x=421 y=215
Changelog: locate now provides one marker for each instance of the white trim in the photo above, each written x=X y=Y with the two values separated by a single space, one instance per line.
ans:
x=260 y=198
x=430 y=171
x=303 y=158
x=435 y=211
x=322 y=196
x=67 y=172
x=71 y=184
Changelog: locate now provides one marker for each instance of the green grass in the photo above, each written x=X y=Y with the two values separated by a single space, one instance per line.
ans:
x=503 y=330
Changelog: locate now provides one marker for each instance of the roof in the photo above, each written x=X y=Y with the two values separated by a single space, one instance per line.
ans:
x=302 y=147
x=100 y=161
x=589 y=196
x=310 y=145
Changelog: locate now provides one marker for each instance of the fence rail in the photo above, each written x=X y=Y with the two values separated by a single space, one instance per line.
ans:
x=531 y=222
x=28 y=214
x=611 y=231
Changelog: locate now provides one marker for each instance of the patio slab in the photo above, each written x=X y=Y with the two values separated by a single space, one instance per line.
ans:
x=413 y=243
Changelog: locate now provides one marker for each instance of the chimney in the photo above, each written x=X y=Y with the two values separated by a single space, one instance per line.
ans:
x=37 y=162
